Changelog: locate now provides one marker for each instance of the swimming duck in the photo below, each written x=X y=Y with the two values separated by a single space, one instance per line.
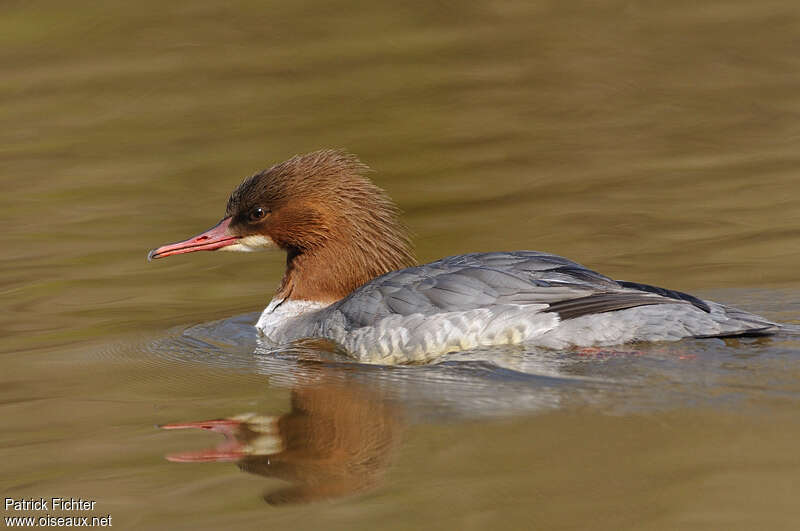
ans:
x=351 y=278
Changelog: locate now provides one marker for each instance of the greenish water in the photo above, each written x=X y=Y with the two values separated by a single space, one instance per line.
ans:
x=653 y=142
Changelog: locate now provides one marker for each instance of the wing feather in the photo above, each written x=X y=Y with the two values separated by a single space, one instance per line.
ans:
x=494 y=280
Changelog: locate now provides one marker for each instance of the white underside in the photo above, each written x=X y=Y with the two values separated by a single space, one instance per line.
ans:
x=406 y=339
x=420 y=338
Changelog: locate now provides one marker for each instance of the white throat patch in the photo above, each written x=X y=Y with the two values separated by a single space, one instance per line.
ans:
x=248 y=244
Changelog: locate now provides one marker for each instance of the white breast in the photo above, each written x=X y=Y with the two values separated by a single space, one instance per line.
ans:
x=278 y=320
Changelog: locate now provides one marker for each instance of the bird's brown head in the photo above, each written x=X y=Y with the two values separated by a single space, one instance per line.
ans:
x=338 y=229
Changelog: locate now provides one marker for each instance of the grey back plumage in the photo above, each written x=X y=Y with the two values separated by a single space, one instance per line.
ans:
x=501 y=279
x=484 y=280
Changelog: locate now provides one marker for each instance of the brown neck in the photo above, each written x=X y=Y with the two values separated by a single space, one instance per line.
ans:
x=329 y=273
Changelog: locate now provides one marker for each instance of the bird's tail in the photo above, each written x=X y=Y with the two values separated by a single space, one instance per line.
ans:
x=789 y=329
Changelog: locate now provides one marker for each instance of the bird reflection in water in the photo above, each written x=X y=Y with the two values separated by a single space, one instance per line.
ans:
x=348 y=418
x=336 y=441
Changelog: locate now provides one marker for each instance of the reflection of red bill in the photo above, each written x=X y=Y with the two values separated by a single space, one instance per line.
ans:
x=220 y=454
x=226 y=426
x=229 y=450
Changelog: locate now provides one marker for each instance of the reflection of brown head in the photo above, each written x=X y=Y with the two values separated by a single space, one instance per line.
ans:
x=336 y=441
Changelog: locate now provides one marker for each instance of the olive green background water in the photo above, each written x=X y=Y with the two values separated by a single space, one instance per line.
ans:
x=652 y=141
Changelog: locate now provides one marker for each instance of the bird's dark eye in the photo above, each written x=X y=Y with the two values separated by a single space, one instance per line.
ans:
x=257 y=213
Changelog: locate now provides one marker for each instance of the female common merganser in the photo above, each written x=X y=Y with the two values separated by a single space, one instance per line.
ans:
x=350 y=278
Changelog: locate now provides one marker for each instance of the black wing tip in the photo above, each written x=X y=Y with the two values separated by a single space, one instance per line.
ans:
x=600 y=303
x=748 y=332
x=669 y=293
